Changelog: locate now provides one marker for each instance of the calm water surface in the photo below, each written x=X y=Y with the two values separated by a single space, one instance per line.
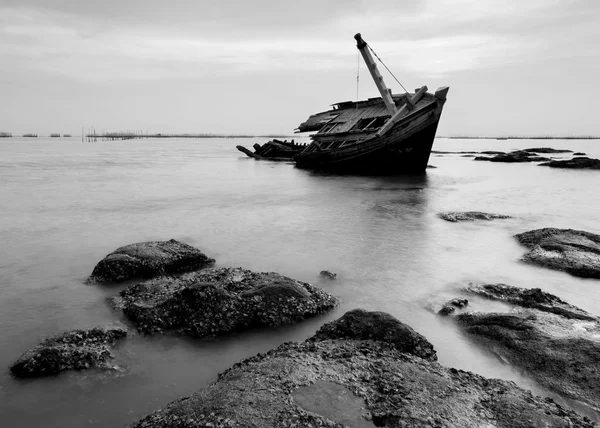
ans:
x=64 y=205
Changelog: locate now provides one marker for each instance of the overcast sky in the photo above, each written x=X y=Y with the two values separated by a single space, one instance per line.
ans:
x=518 y=67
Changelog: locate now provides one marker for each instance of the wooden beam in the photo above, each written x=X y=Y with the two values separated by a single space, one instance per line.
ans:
x=401 y=112
x=383 y=90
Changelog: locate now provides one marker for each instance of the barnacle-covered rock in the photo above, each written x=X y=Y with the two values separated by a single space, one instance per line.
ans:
x=73 y=350
x=216 y=301
x=149 y=259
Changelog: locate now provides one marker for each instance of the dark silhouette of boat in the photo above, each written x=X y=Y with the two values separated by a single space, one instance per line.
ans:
x=274 y=150
x=388 y=135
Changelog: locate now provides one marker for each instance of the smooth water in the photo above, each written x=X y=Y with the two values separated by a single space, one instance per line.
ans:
x=64 y=205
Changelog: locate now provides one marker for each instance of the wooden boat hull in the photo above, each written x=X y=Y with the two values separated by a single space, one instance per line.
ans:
x=273 y=150
x=404 y=149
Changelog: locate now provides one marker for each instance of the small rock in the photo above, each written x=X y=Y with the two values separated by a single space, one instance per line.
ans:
x=582 y=162
x=73 y=350
x=450 y=306
x=512 y=157
x=328 y=274
x=547 y=150
x=455 y=216
x=579 y=154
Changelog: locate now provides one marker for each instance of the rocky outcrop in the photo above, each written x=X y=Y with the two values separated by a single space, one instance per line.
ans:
x=516 y=156
x=73 y=350
x=579 y=154
x=451 y=306
x=456 y=216
x=330 y=381
x=582 y=162
x=149 y=259
x=547 y=150
x=214 y=302
x=574 y=251
x=363 y=325
x=555 y=343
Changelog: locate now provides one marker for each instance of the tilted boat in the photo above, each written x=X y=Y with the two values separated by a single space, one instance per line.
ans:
x=274 y=150
x=388 y=135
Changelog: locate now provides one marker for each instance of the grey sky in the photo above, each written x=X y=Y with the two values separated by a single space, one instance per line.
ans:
x=514 y=66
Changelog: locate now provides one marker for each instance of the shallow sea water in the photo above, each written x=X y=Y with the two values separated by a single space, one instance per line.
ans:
x=64 y=205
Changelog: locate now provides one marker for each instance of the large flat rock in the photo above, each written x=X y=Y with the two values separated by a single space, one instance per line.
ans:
x=73 y=350
x=216 y=301
x=149 y=259
x=574 y=251
x=555 y=343
x=328 y=382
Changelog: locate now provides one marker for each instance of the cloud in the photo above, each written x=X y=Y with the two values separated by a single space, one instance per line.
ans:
x=432 y=38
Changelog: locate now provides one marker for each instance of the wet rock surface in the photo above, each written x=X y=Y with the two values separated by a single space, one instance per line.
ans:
x=553 y=342
x=582 y=162
x=149 y=259
x=512 y=157
x=364 y=325
x=574 y=251
x=214 y=302
x=360 y=383
x=451 y=306
x=456 y=216
x=73 y=350
x=328 y=274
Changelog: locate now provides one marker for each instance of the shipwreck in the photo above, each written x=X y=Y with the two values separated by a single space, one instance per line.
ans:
x=388 y=135
x=274 y=150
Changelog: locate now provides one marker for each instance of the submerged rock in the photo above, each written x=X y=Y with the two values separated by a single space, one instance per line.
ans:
x=575 y=163
x=516 y=156
x=73 y=350
x=555 y=343
x=455 y=216
x=213 y=302
x=451 y=306
x=574 y=251
x=328 y=274
x=329 y=381
x=149 y=259
x=547 y=150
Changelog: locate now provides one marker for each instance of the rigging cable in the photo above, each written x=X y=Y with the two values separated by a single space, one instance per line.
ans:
x=357 y=75
x=371 y=49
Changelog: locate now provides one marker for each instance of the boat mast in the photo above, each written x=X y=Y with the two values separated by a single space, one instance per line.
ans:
x=386 y=94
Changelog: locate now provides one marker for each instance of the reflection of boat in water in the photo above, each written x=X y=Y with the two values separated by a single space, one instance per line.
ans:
x=391 y=134
x=274 y=150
